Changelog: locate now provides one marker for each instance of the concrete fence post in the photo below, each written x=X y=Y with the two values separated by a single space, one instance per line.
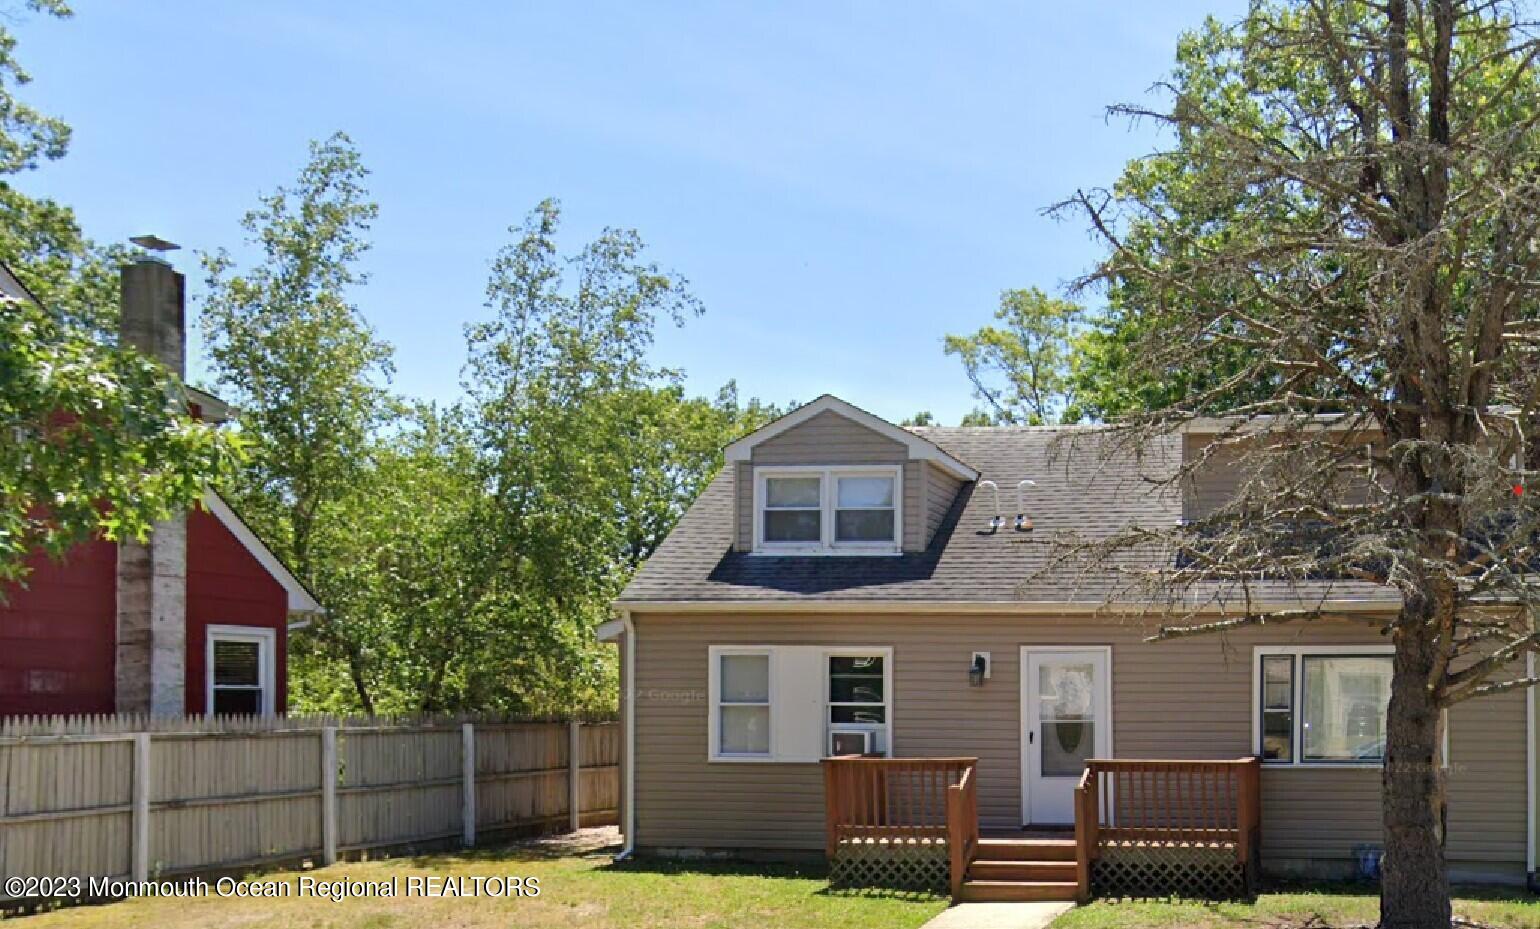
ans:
x=574 y=776
x=329 y=794
x=468 y=788
x=141 y=816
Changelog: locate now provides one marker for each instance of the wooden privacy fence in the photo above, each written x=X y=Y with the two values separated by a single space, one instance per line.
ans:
x=102 y=800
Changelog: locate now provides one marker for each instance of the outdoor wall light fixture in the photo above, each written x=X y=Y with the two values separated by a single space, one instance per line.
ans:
x=978 y=669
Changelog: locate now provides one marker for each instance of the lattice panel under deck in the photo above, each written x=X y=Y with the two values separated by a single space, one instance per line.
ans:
x=1203 y=872
x=903 y=865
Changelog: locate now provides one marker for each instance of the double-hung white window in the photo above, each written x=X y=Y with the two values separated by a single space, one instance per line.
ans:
x=241 y=669
x=834 y=509
x=799 y=703
x=743 y=703
x=1321 y=705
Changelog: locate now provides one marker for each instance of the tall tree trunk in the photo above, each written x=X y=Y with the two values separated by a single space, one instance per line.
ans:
x=360 y=686
x=1414 y=889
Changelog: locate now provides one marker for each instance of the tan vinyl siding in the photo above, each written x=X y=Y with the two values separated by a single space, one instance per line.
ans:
x=1223 y=475
x=743 y=501
x=1188 y=698
x=831 y=439
x=940 y=490
x=1212 y=485
x=1484 y=763
x=914 y=507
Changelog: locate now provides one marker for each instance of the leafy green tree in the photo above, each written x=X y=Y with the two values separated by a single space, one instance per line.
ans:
x=1021 y=369
x=922 y=418
x=465 y=554
x=40 y=239
x=303 y=366
x=1110 y=380
x=675 y=444
x=1345 y=223
x=588 y=451
x=395 y=546
x=102 y=444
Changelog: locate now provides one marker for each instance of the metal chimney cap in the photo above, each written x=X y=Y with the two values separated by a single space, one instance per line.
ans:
x=154 y=243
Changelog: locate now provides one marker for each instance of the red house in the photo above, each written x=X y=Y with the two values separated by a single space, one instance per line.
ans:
x=193 y=621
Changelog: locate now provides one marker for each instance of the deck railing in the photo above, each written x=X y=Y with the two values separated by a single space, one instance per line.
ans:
x=962 y=823
x=1214 y=804
x=907 y=806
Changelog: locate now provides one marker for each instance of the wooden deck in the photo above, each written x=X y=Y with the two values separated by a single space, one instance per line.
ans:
x=1142 y=827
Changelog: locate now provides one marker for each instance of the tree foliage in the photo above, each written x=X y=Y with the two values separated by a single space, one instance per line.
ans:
x=464 y=553
x=99 y=441
x=1346 y=227
x=1022 y=368
x=292 y=352
x=587 y=451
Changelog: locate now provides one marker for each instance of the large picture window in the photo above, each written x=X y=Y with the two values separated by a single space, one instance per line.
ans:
x=1322 y=705
x=828 y=510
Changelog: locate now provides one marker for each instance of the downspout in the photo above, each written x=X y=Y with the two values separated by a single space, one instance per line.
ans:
x=628 y=722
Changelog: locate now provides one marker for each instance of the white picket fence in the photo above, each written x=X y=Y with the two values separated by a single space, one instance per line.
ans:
x=107 y=798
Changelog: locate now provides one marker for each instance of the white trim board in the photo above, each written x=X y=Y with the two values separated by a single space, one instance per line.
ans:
x=1104 y=737
x=920 y=449
x=12 y=287
x=300 y=599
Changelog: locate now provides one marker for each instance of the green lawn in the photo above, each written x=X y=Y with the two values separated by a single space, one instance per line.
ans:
x=1319 y=907
x=577 y=888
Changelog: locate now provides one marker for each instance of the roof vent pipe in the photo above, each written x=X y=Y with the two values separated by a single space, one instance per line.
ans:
x=1023 y=524
x=997 y=520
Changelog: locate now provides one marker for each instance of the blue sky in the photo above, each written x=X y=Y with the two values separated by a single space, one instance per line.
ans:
x=842 y=183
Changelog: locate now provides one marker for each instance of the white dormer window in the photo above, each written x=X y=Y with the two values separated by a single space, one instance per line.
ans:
x=835 y=509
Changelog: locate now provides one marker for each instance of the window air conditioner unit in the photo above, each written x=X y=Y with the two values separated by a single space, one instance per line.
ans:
x=850 y=743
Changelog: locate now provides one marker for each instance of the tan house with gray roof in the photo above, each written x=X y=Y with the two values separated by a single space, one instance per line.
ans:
x=849 y=587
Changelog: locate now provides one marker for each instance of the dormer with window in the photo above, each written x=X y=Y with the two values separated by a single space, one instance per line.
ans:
x=831 y=479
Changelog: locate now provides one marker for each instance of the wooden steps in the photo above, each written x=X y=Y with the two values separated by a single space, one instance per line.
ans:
x=1027 y=849
x=1015 y=891
x=1010 y=870
x=986 y=870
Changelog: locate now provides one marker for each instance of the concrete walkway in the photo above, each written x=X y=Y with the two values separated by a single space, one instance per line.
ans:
x=999 y=915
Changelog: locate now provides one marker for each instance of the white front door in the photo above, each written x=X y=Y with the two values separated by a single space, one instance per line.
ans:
x=1065 y=720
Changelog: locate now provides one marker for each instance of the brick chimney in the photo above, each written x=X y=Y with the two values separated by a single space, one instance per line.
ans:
x=151 y=668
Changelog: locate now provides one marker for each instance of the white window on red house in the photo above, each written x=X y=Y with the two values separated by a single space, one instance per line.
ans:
x=241 y=671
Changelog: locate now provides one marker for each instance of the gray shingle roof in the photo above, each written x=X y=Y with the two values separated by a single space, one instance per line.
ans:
x=1081 y=487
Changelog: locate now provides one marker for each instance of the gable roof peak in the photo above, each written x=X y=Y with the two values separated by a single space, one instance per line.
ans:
x=920 y=448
